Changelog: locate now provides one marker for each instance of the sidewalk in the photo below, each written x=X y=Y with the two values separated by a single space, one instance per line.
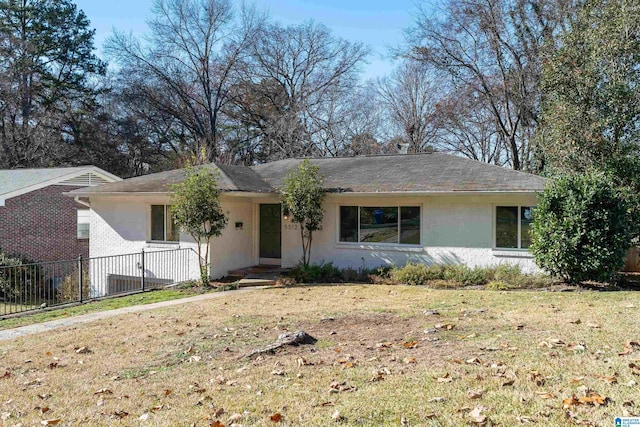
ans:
x=37 y=328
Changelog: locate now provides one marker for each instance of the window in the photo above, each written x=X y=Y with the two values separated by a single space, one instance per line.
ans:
x=383 y=224
x=163 y=227
x=83 y=224
x=513 y=225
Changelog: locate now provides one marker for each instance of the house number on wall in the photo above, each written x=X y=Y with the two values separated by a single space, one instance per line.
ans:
x=291 y=226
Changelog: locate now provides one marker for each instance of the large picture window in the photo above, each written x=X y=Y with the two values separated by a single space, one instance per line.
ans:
x=163 y=227
x=513 y=224
x=382 y=224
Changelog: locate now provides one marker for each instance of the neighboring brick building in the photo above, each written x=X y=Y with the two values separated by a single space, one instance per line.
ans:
x=40 y=223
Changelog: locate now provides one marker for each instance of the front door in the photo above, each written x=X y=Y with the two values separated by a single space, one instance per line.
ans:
x=270 y=234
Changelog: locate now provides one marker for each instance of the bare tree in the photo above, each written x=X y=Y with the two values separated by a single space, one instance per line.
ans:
x=350 y=123
x=468 y=128
x=296 y=77
x=410 y=96
x=493 y=47
x=186 y=67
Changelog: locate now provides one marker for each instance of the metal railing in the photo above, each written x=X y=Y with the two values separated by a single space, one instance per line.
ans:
x=34 y=286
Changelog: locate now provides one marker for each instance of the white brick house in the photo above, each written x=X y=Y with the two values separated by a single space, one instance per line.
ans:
x=379 y=210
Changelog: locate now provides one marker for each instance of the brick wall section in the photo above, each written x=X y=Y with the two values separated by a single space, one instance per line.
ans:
x=42 y=225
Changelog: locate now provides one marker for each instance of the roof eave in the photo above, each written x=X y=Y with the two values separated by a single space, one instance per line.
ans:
x=432 y=192
x=77 y=193
x=53 y=181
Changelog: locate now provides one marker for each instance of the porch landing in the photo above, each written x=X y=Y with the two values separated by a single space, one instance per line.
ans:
x=259 y=275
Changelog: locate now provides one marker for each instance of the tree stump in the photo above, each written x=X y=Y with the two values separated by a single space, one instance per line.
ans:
x=290 y=338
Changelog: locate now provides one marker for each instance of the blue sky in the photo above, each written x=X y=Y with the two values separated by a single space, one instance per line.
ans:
x=377 y=23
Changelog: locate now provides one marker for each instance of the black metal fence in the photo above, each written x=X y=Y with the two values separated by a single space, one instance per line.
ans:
x=36 y=286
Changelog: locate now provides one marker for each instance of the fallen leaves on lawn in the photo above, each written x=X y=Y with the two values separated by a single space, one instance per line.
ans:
x=629 y=347
x=235 y=417
x=475 y=394
x=613 y=379
x=103 y=391
x=410 y=344
x=337 y=387
x=445 y=326
x=276 y=418
x=591 y=398
x=303 y=362
x=336 y=416
x=545 y=394
x=379 y=374
x=51 y=422
x=537 y=378
x=477 y=416
x=554 y=342
x=446 y=378
x=6 y=375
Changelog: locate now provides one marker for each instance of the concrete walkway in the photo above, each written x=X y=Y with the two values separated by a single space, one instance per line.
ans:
x=37 y=328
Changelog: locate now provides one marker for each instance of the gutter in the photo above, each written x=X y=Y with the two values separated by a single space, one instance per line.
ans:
x=82 y=202
x=76 y=194
x=430 y=193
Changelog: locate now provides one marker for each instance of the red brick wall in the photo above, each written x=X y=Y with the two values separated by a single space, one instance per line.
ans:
x=41 y=226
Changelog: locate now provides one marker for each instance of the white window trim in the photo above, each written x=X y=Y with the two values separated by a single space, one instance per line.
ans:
x=149 y=227
x=379 y=245
x=497 y=250
x=86 y=214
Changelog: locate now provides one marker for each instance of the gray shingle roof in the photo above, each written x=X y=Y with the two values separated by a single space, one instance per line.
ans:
x=16 y=179
x=231 y=178
x=433 y=172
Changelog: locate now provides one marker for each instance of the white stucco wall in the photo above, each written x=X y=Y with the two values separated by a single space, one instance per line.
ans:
x=454 y=230
x=235 y=247
x=119 y=226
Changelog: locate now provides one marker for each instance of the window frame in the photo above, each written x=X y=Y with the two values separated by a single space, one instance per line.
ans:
x=519 y=222
x=86 y=214
x=166 y=212
x=360 y=243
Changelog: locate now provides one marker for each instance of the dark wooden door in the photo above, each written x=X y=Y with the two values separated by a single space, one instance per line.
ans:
x=270 y=231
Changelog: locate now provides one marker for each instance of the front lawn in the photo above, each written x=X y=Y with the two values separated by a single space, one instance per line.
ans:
x=383 y=357
x=38 y=316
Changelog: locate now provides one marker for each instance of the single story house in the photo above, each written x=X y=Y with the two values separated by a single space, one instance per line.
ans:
x=379 y=210
x=37 y=221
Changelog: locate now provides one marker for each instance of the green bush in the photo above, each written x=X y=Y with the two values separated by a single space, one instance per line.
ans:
x=582 y=228
x=498 y=286
x=513 y=276
x=467 y=276
x=316 y=273
x=22 y=278
x=502 y=277
x=418 y=274
x=437 y=276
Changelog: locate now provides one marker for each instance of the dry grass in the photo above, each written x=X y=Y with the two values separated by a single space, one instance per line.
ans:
x=37 y=316
x=515 y=354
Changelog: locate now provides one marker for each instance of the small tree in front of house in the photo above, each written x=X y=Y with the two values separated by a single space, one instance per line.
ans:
x=302 y=199
x=196 y=210
x=582 y=227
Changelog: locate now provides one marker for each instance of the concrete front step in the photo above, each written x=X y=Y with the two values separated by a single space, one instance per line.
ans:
x=246 y=282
